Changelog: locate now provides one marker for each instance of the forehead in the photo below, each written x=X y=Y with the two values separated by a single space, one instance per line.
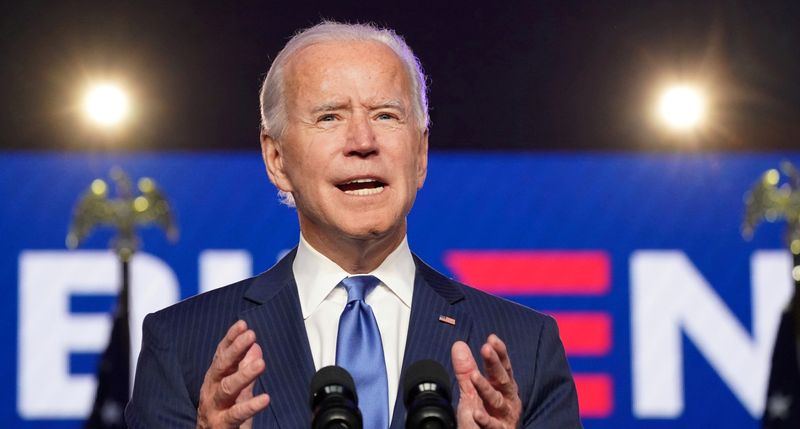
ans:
x=338 y=68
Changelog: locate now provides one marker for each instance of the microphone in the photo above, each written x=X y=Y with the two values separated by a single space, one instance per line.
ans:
x=333 y=399
x=426 y=394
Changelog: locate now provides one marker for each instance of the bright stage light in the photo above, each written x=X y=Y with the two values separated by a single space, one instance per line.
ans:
x=106 y=104
x=682 y=107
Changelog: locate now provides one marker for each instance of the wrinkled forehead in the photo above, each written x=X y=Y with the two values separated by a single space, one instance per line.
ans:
x=335 y=68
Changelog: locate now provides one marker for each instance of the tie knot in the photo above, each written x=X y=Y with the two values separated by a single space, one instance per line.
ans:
x=359 y=286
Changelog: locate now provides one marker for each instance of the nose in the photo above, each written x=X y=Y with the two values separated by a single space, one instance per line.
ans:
x=361 y=139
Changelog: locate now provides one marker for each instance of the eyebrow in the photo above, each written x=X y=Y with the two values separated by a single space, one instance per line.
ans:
x=330 y=107
x=393 y=103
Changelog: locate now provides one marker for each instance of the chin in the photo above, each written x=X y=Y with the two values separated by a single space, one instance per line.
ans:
x=371 y=230
x=367 y=232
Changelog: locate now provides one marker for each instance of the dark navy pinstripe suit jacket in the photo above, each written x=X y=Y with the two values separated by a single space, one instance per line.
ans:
x=178 y=345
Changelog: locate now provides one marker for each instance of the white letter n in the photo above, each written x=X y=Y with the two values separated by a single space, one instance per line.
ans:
x=669 y=296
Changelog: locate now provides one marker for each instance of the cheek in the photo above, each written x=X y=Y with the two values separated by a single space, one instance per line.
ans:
x=305 y=166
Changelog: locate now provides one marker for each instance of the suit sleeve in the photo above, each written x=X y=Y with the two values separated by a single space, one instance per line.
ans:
x=160 y=397
x=554 y=401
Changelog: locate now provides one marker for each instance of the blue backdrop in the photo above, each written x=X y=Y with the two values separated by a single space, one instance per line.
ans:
x=616 y=206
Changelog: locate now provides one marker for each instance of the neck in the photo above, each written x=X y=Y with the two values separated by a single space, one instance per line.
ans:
x=356 y=255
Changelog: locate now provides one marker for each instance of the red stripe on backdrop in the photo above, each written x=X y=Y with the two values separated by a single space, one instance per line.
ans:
x=532 y=272
x=585 y=333
x=595 y=395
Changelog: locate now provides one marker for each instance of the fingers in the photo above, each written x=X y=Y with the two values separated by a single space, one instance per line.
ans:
x=469 y=403
x=484 y=420
x=254 y=357
x=231 y=386
x=242 y=411
x=491 y=401
x=226 y=396
x=233 y=332
x=253 y=353
x=464 y=366
x=501 y=350
x=231 y=350
x=498 y=366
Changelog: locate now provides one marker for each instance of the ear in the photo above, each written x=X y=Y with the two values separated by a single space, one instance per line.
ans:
x=422 y=160
x=272 y=153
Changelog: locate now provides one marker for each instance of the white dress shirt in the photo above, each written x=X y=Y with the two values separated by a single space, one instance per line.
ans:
x=322 y=303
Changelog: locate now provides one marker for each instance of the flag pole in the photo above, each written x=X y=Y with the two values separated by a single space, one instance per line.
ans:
x=776 y=197
x=123 y=213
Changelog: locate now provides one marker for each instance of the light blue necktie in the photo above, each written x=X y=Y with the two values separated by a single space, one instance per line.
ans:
x=359 y=350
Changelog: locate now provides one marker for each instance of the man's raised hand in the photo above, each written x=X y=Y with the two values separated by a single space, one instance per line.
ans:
x=226 y=396
x=491 y=401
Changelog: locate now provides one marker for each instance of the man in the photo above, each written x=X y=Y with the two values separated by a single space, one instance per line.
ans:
x=345 y=138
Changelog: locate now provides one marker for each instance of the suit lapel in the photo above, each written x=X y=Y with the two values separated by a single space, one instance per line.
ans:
x=279 y=328
x=277 y=321
x=428 y=337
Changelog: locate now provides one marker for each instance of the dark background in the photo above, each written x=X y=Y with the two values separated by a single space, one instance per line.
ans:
x=538 y=75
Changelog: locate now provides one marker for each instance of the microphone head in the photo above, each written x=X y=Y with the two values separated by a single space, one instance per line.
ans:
x=426 y=394
x=332 y=379
x=425 y=376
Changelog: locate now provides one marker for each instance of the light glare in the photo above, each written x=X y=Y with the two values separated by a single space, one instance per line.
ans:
x=106 y=104
x=682 y=107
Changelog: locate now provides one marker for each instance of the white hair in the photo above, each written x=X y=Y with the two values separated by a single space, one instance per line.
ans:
x=274 y=118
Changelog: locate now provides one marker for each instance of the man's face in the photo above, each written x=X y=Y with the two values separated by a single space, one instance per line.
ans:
x=352 y=155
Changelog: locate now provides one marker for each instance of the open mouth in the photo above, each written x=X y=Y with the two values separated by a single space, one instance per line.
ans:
x=362 y=187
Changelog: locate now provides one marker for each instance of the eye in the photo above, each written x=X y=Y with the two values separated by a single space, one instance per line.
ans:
x=328 y=117
x=384 y=116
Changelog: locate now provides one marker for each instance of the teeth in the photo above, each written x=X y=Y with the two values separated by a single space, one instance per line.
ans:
x=361 y=181
x=364 y=192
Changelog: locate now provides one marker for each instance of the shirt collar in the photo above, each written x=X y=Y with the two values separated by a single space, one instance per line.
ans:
x=316 y=275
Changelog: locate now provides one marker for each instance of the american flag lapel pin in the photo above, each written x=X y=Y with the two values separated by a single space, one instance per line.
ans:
x=447 y=319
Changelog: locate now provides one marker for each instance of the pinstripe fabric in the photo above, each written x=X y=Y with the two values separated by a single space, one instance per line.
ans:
x=278 y=324
x=179 y=342
x=540 y=366
x=178 y=346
